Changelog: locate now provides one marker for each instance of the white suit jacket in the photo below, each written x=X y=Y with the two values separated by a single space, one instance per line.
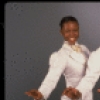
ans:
x=92 y=74
x=68 y=62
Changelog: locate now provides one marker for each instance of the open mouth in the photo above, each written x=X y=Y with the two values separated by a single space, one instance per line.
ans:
x=72 y=39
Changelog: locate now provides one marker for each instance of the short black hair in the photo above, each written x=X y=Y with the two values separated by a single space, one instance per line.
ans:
x=67 y=19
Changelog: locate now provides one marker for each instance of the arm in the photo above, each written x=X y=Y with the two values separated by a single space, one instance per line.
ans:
x=57 y=66
x=92 y=74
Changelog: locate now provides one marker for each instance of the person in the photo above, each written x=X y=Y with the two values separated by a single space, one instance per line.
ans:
x=90 y=79
x=69 y=60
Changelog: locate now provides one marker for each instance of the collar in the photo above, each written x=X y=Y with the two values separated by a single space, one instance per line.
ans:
x=67 y=45
x=78 y=56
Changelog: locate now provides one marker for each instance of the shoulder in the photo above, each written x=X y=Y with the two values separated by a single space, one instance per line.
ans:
x=85 y=49
x=57 y=57
x=53 y=55
x=95 y=54
x=58 y=53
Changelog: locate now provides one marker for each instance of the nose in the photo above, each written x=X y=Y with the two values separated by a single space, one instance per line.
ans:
x=71 y=33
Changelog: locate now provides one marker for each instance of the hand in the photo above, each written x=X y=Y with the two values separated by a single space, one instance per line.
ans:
x=35 y=94
x=98 y=90
x=72 y=93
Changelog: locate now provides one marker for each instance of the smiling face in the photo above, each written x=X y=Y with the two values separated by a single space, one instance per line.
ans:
x=70 y=31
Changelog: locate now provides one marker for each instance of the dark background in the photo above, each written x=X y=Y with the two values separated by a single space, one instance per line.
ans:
x=32 y=34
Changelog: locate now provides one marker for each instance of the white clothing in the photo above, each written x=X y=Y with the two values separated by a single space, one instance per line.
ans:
x=92 y=75
x=68 y=62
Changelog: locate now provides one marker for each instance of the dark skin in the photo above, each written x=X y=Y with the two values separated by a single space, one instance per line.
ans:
x=35 y=94
x=98 y=90
x=72 y=93
x=70 y=33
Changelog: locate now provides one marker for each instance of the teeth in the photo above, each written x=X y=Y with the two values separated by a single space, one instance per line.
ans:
x=72 y=39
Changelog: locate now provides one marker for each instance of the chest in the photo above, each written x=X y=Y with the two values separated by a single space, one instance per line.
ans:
x=76 y=64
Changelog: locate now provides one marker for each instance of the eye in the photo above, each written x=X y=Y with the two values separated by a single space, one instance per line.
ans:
x=67 y=31
x=75 y=30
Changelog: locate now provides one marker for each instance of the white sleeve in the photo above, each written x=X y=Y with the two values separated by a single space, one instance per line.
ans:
x=56 y=68
x=92 y=74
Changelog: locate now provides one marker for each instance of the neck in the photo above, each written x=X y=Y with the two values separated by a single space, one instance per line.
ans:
x=71 y=44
